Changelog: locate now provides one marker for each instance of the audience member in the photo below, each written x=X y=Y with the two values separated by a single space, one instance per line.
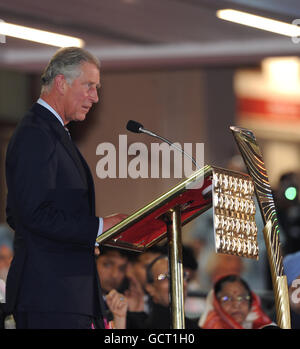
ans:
x=6 y=256
x=157 y=286
x=232 y=305
x=136 y=272
x=138 y=263
x=123 y=294
x=291 y=265
x=6 y=250
x=111 y=266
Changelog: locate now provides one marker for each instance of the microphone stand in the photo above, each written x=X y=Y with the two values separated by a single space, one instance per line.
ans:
x=141 y=129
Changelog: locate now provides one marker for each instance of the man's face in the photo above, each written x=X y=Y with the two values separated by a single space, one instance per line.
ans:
x=234 y=300
x=81 y=93
x=111 y=270
x=140 y=266
x=159 y=289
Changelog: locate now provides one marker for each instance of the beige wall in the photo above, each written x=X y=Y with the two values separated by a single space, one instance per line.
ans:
x=15 y=95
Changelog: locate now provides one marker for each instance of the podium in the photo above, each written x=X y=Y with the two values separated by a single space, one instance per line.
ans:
x=164 y=218
x=230 y=194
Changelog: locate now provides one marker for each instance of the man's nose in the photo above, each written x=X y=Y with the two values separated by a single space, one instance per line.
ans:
x=94 y=95
x=235 y=303
x=115 y=273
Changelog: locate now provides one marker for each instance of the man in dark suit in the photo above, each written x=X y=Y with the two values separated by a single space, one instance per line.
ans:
x=52 y=281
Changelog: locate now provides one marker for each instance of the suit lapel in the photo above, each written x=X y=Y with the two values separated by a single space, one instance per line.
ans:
x=73 y=152
x=63 y=137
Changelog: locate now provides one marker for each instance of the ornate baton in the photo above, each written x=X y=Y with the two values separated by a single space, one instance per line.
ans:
x=253 y=159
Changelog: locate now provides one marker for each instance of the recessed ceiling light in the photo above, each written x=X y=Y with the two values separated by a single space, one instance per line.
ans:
x=40 y=36
x=259 y=22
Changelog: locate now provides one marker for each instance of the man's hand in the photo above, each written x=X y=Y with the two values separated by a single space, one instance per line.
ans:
x=118 y=305
x=135 y=295
x=110 y=221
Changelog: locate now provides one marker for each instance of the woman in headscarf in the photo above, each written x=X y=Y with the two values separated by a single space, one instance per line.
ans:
x=232 y=305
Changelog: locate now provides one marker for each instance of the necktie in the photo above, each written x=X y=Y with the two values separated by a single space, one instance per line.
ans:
x=74 y=152
x=67 y=130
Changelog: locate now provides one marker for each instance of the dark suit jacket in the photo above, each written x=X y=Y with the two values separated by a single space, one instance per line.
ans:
x=50 y=205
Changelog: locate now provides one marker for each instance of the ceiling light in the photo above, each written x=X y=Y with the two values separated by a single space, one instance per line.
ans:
x=259 y=22
x=40 y=36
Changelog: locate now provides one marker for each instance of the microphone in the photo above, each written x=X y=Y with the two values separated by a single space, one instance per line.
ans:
x=136 y=127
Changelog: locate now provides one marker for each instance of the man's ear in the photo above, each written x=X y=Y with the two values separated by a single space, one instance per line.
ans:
x=60 y=83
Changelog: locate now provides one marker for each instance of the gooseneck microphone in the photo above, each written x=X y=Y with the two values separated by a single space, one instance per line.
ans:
x=136 y=127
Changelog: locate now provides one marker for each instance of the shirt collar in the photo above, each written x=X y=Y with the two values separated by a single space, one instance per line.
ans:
x=47 y=106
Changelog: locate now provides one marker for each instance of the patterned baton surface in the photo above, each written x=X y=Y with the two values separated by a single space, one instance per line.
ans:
x=252 y=156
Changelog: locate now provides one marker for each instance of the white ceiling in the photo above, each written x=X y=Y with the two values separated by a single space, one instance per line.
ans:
x=126 y=33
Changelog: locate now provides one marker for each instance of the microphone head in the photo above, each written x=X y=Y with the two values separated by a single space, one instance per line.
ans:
x=134 y=126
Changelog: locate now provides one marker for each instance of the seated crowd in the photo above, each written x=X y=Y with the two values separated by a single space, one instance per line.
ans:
x=135 y=288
